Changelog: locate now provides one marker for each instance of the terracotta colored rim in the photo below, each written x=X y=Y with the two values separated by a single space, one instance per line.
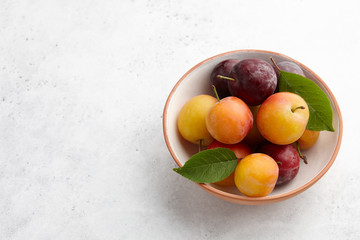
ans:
x=268 y=199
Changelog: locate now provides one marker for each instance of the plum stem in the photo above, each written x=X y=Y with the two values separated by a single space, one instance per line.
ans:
x=300 y=154
x=227 y=78
x=200 y=145
x=217 y=96
x=299 y=107
x=273 y=61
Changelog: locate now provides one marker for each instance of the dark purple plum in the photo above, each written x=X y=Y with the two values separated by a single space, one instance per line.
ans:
x=290 y=67
x=255 y=80
x=288 y=160
x=223 y=68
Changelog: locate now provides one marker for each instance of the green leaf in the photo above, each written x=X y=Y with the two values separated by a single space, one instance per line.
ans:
x=209 y=166
x=321 y=114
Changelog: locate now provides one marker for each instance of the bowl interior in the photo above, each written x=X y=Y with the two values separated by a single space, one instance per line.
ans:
x=196 y=81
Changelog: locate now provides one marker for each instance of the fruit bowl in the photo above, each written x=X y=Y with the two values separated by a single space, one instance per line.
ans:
x=196 y=81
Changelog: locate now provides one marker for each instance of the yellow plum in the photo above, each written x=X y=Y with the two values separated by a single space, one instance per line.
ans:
x=230 y=120
x=191 y=120
x=282 y=118
x=256 y=175
x=308 y=139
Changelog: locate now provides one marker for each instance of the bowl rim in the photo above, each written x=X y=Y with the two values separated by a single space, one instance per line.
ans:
x=267 y=199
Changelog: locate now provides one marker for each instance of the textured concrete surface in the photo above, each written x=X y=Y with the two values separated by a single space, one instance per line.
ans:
x=82 y=89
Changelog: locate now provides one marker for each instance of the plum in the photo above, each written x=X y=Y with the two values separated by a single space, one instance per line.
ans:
x=256 y=175
x=308 y=139
x=255 y=80
x=191 y=119
x=229 y=121
x=223 y=69
x=290 y=67
x=288 y=159
x=282 y=118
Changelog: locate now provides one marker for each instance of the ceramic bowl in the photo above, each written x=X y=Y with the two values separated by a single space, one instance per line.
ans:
x=196 y=81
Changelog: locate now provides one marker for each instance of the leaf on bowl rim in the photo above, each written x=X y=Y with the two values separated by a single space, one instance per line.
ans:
x=209 y=166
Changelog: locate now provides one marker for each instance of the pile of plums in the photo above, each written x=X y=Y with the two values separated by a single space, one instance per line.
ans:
x=262 y=126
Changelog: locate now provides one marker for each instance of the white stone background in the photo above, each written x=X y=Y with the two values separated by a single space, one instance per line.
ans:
x=82 y=89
